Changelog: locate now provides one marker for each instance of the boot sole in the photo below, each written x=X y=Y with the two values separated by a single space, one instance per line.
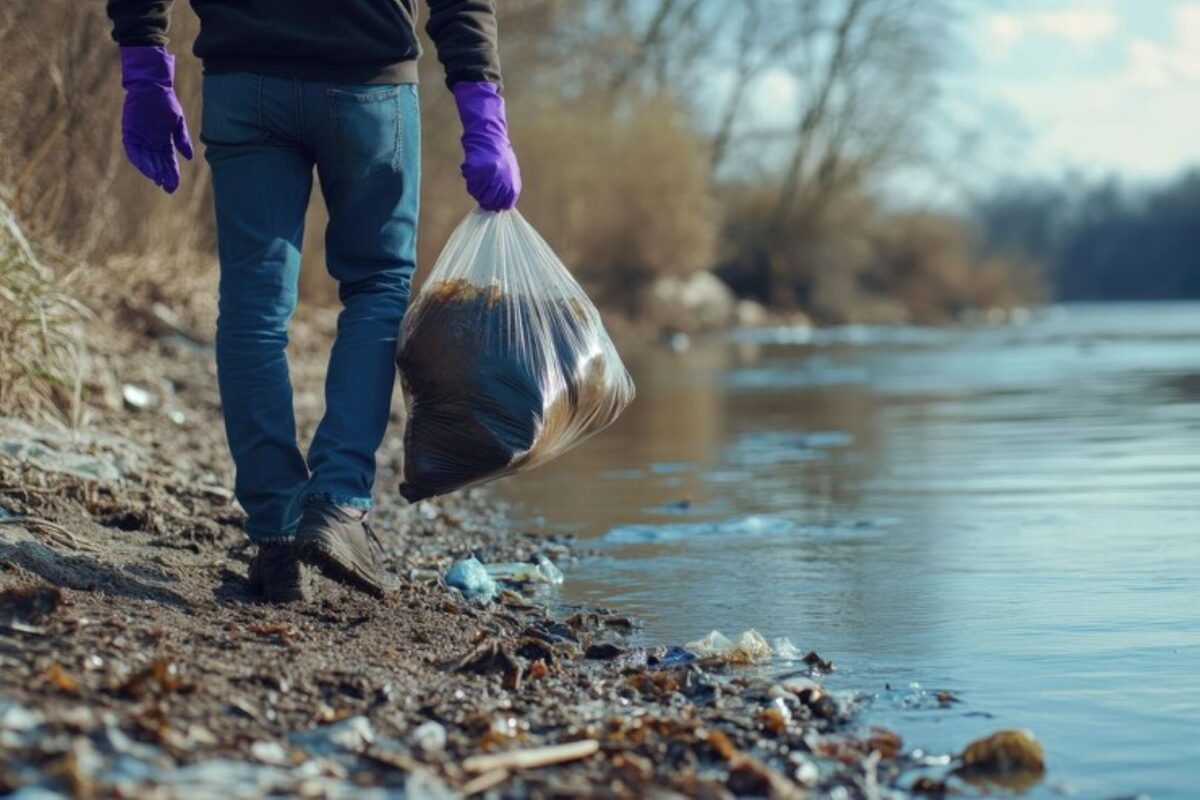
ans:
x=281 y=596
x=332 y=558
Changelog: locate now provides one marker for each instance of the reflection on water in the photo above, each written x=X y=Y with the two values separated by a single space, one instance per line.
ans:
x=1008 y=513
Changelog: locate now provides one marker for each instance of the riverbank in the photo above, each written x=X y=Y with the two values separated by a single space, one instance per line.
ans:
x=135 y=664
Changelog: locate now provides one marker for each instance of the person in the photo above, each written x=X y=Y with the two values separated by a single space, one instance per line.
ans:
x=289 y=87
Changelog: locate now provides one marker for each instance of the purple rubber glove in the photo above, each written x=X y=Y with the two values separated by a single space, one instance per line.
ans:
x=152 y=124
x=490 y=166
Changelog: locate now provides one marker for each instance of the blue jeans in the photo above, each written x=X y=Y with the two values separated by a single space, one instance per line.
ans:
x=263 y=137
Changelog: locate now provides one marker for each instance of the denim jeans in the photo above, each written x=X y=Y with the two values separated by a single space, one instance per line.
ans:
x=263 y=137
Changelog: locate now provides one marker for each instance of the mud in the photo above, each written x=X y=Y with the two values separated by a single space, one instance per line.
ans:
x=133 y=662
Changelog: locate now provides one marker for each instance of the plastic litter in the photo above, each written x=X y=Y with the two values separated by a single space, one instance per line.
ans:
x=475 y=579
x=515 y=572
x=785 y=650
x=750 y=648
x=505 y=361
x=471 y=578
x=675 y=657
x=712 y=644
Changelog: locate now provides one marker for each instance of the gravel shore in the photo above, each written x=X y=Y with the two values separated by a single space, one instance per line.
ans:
x=134 y=663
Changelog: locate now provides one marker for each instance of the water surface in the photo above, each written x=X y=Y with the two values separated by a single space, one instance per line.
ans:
x=1009 y=513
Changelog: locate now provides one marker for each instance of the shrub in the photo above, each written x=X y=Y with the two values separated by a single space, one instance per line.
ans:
x=41 y=352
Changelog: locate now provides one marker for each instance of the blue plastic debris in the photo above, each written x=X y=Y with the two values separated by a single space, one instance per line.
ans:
x=471 y=578
x=675 y=657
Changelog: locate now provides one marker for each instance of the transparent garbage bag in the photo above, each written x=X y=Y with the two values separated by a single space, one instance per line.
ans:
x=505 y=362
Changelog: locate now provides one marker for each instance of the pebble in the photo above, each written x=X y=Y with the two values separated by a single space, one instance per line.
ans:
x=430 y=736
x=353 y=735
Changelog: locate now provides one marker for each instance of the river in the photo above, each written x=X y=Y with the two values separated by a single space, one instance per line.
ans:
x=1010 y=513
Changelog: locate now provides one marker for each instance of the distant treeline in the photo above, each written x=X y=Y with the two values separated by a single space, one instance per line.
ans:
x=1101 y=240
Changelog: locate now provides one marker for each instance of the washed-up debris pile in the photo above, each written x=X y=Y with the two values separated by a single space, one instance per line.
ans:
x=537 y=704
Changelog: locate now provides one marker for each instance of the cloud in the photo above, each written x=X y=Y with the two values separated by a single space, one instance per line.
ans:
x=1137 y=114
x=1079 y=27
x=1155 y=65
x=1005 y=30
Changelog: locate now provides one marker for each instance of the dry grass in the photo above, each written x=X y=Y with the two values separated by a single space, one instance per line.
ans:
x=42 y=358
x=618 y=181
x=62 y=165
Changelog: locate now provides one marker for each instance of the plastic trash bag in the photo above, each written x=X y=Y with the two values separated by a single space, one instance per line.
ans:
x=505 y=361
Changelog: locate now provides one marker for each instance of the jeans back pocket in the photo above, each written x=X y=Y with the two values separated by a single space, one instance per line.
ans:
x=368 y=128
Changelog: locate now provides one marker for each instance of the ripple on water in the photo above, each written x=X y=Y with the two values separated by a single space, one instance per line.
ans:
x=754 y=525
x=768 y=448
x=796 y=374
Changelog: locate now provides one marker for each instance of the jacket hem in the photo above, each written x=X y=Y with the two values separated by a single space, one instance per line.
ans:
x=392 y=72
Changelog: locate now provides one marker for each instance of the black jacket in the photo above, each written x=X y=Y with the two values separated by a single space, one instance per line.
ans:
x=350 y=41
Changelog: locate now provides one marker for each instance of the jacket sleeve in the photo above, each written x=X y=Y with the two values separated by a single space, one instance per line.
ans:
x=139 y=22
x=464 y=33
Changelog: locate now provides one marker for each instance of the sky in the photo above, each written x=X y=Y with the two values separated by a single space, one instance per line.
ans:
x=1088 y=85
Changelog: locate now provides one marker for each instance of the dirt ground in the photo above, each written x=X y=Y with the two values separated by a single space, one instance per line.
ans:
x=134 y=664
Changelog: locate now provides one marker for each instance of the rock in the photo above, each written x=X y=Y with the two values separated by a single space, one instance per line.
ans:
x=1004 y=752
x=750 y=314
x=817 y=663
x=700 y=301
x=136 y=398
x=749 y=776
x=353 y=734
x=605 y=651
x=430 y=736
x=799 y=320
x=90 y=455
x=490 y=657
x=32 y=604
x=797 y=684
x=269 y=753
x=15 y=717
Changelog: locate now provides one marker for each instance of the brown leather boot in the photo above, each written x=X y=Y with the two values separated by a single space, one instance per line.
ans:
x=275 y=573
x=342 y=546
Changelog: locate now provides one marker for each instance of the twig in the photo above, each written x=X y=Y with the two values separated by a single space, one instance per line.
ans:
x=51 y=530
x=481 y=783
x=534 y=757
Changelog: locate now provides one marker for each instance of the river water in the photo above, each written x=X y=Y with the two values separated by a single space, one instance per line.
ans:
x=1008 y=513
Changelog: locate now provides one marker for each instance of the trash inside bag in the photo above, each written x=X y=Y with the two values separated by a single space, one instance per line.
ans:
x=505 y=361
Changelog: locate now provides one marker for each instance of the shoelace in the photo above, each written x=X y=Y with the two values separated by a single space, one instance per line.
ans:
x=373 y=536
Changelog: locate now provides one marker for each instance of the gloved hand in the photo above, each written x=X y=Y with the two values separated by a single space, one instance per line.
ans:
x=152 y=124
x=490 y=166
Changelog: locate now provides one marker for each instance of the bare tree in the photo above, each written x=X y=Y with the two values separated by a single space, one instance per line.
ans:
x=761 y=41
